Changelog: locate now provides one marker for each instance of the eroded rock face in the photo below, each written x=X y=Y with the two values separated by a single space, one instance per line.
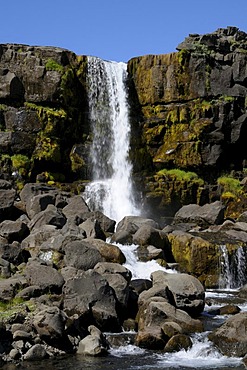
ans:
x=193 y=109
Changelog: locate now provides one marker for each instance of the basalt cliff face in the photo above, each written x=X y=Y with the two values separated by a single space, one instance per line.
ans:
x=188 y=113
x=193 y=107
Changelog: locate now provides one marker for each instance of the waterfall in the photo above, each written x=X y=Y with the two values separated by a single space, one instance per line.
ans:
x=233 y=268
x=111 y=189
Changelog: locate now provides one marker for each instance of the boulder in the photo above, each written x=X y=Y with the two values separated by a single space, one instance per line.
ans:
x=129 y=226
x=148 y=236
x=50 y=216
x=13 y=230
x=39 y=203
x=196 y=256
x=209 y=214
x=89 y=296
x=10 y=287
x=106 y=223
x=92 y=229
x=7 y=198
x=113 y=268
x=50 y=326
x=94 y=344
x=178 y=342
x=35 y=353
x=13 y=253
x=38 y=237
x=118 y=278
x=76 y=208
x=110 y=252
x=183 y=291
x=47 y=278
x=81 y=255
x=153 y=315
x=231 y=337
x=31 y=190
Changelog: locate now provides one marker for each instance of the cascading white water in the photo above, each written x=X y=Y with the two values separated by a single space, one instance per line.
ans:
x=233 y=271
x=111 y=189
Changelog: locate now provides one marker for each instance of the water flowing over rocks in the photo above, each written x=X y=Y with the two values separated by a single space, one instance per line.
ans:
x=62 y=279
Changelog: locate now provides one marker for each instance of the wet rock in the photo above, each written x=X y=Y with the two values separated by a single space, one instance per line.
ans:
x=183 y=291
x=229 y=309
x=94 y=344
x=171 y=328
x=153 y=314
x=178 y=342
x=231 y=337
x=36 y=352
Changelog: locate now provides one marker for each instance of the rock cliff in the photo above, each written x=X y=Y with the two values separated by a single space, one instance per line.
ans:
x=193 y=113
x=188 y=112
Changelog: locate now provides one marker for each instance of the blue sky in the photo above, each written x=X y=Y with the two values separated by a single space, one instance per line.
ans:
x=116 y=29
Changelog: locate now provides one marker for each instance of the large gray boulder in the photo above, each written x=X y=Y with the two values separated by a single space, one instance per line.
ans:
x=183 y=291
x=128 y=226
x=92 y=229
x=209 y=214
x=50 y=216
x=10 y=287
x=118 y=278
x=81 y=255
x=76 y=208
x=39 y=203
x=106 y=223
x=94 y=344
x=50 y=326
x=156 y=313
x=90 y=296
x=110 y=252
x=231 y=337
x=43 y=275
x=13 y=230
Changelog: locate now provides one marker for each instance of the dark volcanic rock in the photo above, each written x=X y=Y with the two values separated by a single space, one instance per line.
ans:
x=89 y=295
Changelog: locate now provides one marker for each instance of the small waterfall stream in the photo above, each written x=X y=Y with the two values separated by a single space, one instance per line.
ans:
x=233 y=268
x=111 y=189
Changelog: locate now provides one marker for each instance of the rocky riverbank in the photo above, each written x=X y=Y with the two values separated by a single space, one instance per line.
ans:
x=62 y=285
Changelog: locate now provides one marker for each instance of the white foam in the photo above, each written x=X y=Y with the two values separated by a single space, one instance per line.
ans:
x=201 y=355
